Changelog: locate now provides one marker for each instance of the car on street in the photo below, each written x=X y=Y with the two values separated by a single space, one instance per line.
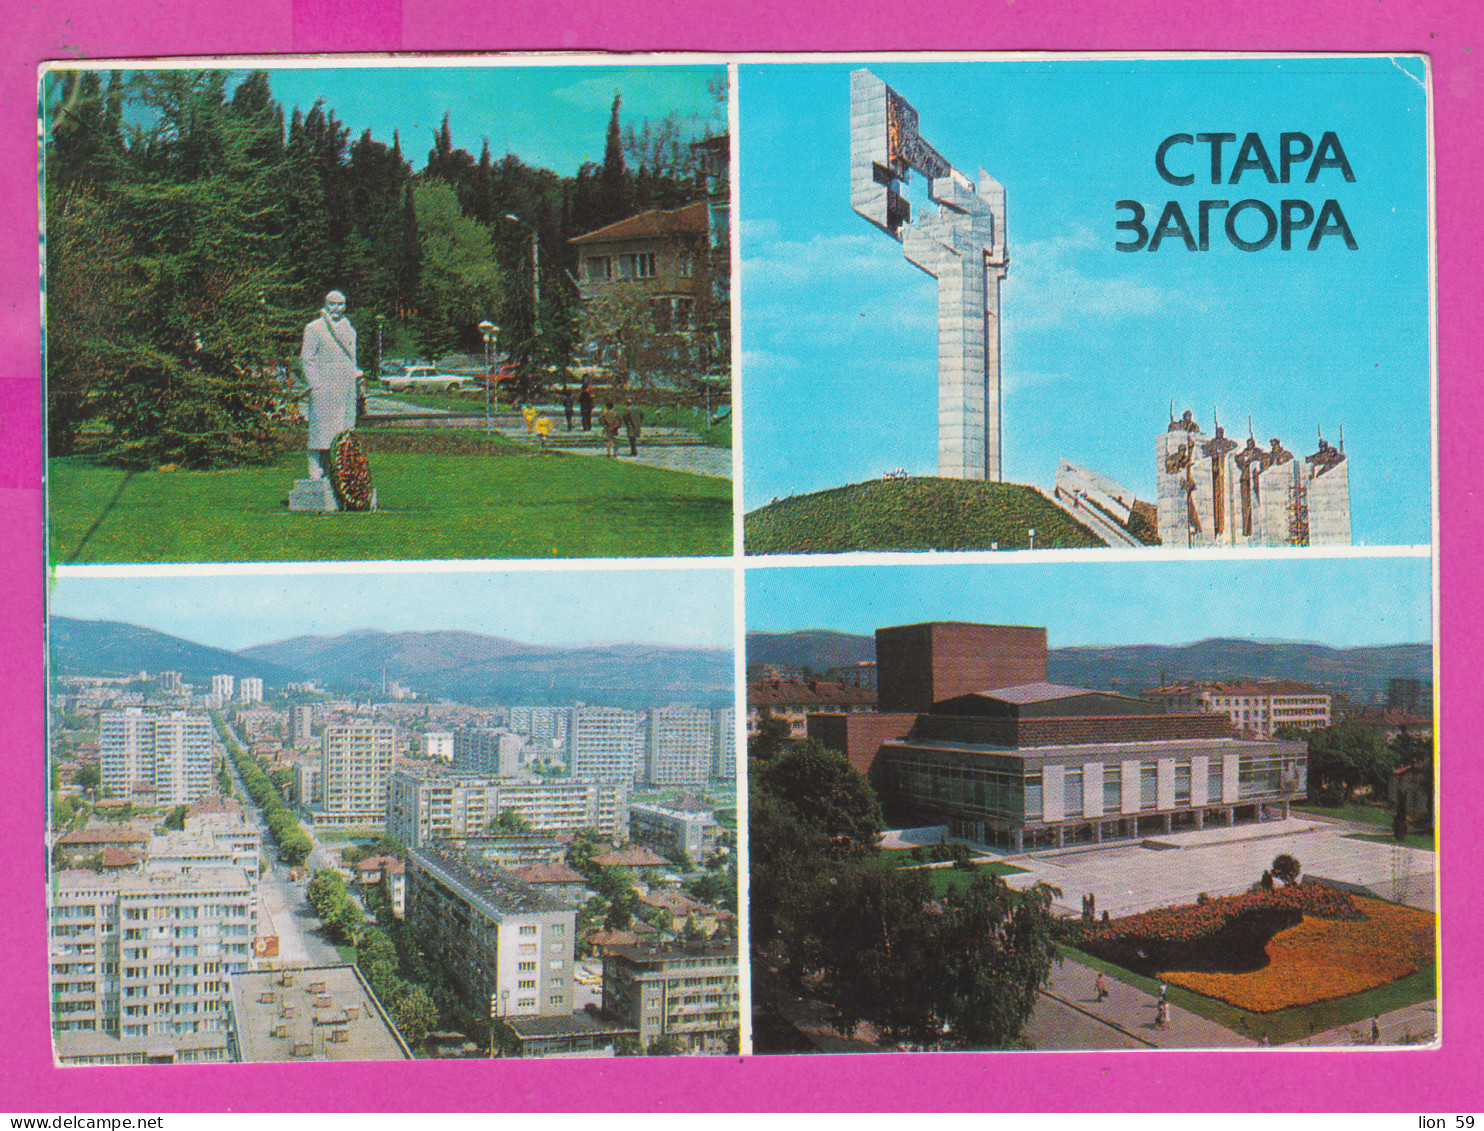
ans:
x=424 y=378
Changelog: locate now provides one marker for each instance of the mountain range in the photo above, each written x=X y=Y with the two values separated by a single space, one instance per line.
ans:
x=1356 y=672
x=466 y=667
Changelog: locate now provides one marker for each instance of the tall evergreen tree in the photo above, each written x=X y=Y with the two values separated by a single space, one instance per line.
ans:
x=613 y=198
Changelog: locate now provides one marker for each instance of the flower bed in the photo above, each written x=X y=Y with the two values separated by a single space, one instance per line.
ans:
x=1229 y=934
x=1320 y=959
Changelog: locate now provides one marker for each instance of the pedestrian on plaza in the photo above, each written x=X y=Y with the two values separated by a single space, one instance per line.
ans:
x=1162 y=1015
x=585 y=400
x=567 y=402
x=1101 y=986
x=1375 y=1030
x=611 y=422
x=633 y=422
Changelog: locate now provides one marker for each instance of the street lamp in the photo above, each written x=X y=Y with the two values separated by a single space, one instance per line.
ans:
x=380 y=322
x=1032 y=533
x=535 y=279
x=491 y=334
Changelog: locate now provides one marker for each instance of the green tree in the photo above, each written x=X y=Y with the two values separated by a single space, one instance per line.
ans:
x=1344 y=757
x=87 y=777
x=414 y=1013
x=615 y=204
x=460 y=282
x=824 y=791
x=175 y=819
x=772 y=733
x=510 y=823
x=666 y=1044
x=1287 y=868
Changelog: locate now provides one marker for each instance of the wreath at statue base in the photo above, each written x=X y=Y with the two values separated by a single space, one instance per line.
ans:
x=350 y=474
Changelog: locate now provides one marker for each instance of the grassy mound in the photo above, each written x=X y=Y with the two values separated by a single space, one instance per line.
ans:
x=914 y=514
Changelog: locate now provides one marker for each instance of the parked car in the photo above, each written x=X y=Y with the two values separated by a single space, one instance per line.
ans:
x=424 y=378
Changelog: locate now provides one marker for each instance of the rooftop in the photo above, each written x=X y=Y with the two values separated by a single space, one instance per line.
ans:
x=1041 y=692
x=675 y=950
x=691 y=220
x=552 y=872
x=568 y=1025
x=312 y=1013
x=631 y=856
x=500 y=888
x=1240 y=687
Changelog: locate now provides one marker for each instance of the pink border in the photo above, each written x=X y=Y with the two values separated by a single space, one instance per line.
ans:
x=1436 y=1081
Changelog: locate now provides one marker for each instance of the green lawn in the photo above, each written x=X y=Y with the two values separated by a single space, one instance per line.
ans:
x=1363 y=814
x=1414 y=840
x=1284 y=1025
x=461 y=497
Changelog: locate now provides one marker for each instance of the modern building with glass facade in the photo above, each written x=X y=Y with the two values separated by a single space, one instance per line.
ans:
x=1037 y=764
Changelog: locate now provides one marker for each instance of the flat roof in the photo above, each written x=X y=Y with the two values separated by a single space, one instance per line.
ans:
x=568 y=1025
x=486 y=880
x=1153 y=746
x=306 y=1007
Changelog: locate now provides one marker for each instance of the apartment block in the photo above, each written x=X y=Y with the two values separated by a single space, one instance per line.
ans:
x=676 y=826
x=488 y=752
x=139 y=963
x=250 y=689
x=165 y=756
x=724 y=748
x=605 y=742
x=681 y=746
x=429 y=802
x=1256 y=707
x=356 y=766
x=509 y=948
x=686 y=990
x=223 y=686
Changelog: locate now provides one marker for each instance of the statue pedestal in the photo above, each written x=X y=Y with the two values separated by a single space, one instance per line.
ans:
x=312 y=495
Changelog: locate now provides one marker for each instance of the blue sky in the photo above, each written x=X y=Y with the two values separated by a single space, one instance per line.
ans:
x=690 y=607
x=553 y=117
x=1342 y=602
x=839 y=378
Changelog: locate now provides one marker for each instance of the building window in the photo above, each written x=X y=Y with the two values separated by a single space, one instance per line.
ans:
x=1113 y=788
x=1182 y=782
x=638 y=266
x=1148 y=785
x=599 y=268
x=528 y=930
x=1072 y=792
x=1213 y=779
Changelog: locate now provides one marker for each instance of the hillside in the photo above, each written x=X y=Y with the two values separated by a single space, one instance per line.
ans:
x=1134 y=667
x=925 y=513
x=110 y=648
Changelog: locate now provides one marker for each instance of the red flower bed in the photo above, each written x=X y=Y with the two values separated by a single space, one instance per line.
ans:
x=350 y=474
x=1229 y=933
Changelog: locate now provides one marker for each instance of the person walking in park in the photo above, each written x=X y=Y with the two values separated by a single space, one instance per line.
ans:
x=611 y=422
x=567 y=402
x=1100 y=986
x=542 y=428
x=1162 y=1014
x=1164 y=992
x=585 y=400
x=1375 y=1030
x=633 y=422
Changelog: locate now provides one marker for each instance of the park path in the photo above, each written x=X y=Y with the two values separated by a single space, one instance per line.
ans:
x=1130 y=1011
x=694 y=458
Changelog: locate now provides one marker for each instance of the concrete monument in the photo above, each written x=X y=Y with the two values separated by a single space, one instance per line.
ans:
x=1213 y=494
x=962 y=245
x=328 y=357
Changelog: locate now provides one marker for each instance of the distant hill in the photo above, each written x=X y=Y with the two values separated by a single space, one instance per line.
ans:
x=924 y=513
x=463 y=666
x=111 y=648
x=819 y=650
x=1133 y=668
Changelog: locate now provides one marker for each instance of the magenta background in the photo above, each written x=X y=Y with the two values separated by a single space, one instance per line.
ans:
x=1434 y=1081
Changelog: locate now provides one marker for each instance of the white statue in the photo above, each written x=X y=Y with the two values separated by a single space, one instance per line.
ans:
x=329 y=361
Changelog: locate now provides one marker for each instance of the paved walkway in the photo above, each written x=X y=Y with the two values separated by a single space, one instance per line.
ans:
x=1129 y=1012
x=694 y=458
x=1411 y=1025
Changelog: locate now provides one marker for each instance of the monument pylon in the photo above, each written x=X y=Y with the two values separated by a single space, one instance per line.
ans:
x=962 y=246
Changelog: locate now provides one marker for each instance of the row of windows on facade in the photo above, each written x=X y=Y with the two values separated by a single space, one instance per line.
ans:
x=1008 y=794
x=637 y=265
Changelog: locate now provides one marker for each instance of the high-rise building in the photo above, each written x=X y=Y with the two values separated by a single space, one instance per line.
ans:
x=222 y=687
x=167 y=754
x=681 y=746
x=250 y=689
x=356 y=763
x=490 y=753
x=541 y=723
x=139 y=963
x=605 y=742
x=724 y=751
x=170 y=681
x=302 y=721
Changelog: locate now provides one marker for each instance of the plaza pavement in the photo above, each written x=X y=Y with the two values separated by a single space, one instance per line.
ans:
x=1166 y=869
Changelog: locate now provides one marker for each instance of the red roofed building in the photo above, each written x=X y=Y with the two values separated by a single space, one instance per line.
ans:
x=647 y=282
x=83 y=844
x=554 y=879
x=370 y=871
x=1254 y=707
x=795 y=699
x=631 y=856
